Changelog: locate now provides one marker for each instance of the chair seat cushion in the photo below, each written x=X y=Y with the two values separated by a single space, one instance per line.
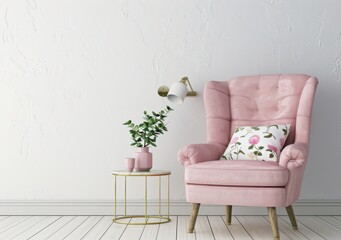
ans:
x=237 y=173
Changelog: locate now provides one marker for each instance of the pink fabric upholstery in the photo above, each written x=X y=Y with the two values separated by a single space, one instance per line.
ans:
x=237 y=173
x=252 y=100
x=237 y=196
x=196 y=153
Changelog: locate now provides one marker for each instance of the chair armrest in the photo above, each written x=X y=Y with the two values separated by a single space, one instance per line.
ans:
x=294 y=155
x=196 y=153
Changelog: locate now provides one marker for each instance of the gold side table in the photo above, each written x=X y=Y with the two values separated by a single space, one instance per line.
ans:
x=158 y=219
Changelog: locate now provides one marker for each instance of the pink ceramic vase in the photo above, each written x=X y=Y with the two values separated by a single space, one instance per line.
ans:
x=130 y=163
x=143 y=159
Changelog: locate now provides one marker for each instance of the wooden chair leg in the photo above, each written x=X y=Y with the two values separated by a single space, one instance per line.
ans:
x=274 y=222
x=292 y=217
x=195 y=210
x=228 y=214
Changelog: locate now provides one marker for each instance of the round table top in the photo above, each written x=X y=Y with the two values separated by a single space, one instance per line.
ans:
x=124 y=172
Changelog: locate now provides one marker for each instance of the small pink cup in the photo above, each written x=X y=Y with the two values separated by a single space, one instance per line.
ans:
x=130 y=164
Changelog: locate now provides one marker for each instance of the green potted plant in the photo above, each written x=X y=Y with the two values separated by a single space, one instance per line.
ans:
x=145 y=134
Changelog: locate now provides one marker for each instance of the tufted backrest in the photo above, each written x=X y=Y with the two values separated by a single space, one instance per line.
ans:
x=259 y=100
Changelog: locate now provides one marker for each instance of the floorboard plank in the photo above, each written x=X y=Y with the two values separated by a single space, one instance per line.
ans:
x=287 y=229
x=219 y=228
x=337 y=217
x=133 y=231
x=115 y=230
x=168 y=230
x=24 y=235
x=3 y=217
x=99 y=229
x=68 y=228
x=11 y=221
x=259 y=228
x=237 y=231
x=53 y=228
x=150 y=232
x=304 y=230
x=332 y=221
x=10 y=233
x=203 y=229
x=84 y=228
x=321 y=227
x=182 y=226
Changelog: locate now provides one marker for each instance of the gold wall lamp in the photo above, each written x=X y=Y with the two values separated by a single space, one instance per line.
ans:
x=178 y=91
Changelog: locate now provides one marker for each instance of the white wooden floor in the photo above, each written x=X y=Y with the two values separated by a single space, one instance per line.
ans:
x=207 y=227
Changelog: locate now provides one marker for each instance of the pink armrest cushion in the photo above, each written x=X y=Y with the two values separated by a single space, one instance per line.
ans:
x=294 y=155
x=196 y=153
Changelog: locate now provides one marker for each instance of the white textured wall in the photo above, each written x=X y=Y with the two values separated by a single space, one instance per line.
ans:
x=72 y=71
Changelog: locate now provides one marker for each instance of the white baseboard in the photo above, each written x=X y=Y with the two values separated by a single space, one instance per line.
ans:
x=106 y=207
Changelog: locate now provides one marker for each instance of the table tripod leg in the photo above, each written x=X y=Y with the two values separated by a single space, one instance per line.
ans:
x=145 y=199
x=125 y=196
x=159 y=195
x=115 y=199
x=168 y=196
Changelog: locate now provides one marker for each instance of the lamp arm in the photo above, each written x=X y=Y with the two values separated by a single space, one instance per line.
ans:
x=185 y=80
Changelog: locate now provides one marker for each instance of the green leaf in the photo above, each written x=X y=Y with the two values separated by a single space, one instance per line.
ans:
x=238 y=143
x=139 y=145
x=261 y=147
x=255 y=128
x=127 y=123
x=257 y=153
x=240 y=151
x=250 y=147
x=271 y=155
x=268 y=136
x=133 y=144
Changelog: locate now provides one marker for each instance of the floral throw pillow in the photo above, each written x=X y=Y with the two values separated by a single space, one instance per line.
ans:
x=257 y=143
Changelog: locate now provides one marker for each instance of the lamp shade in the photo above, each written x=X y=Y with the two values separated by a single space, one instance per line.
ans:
x=177 y=93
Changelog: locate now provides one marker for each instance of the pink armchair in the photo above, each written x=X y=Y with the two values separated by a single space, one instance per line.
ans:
x=250 y=101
